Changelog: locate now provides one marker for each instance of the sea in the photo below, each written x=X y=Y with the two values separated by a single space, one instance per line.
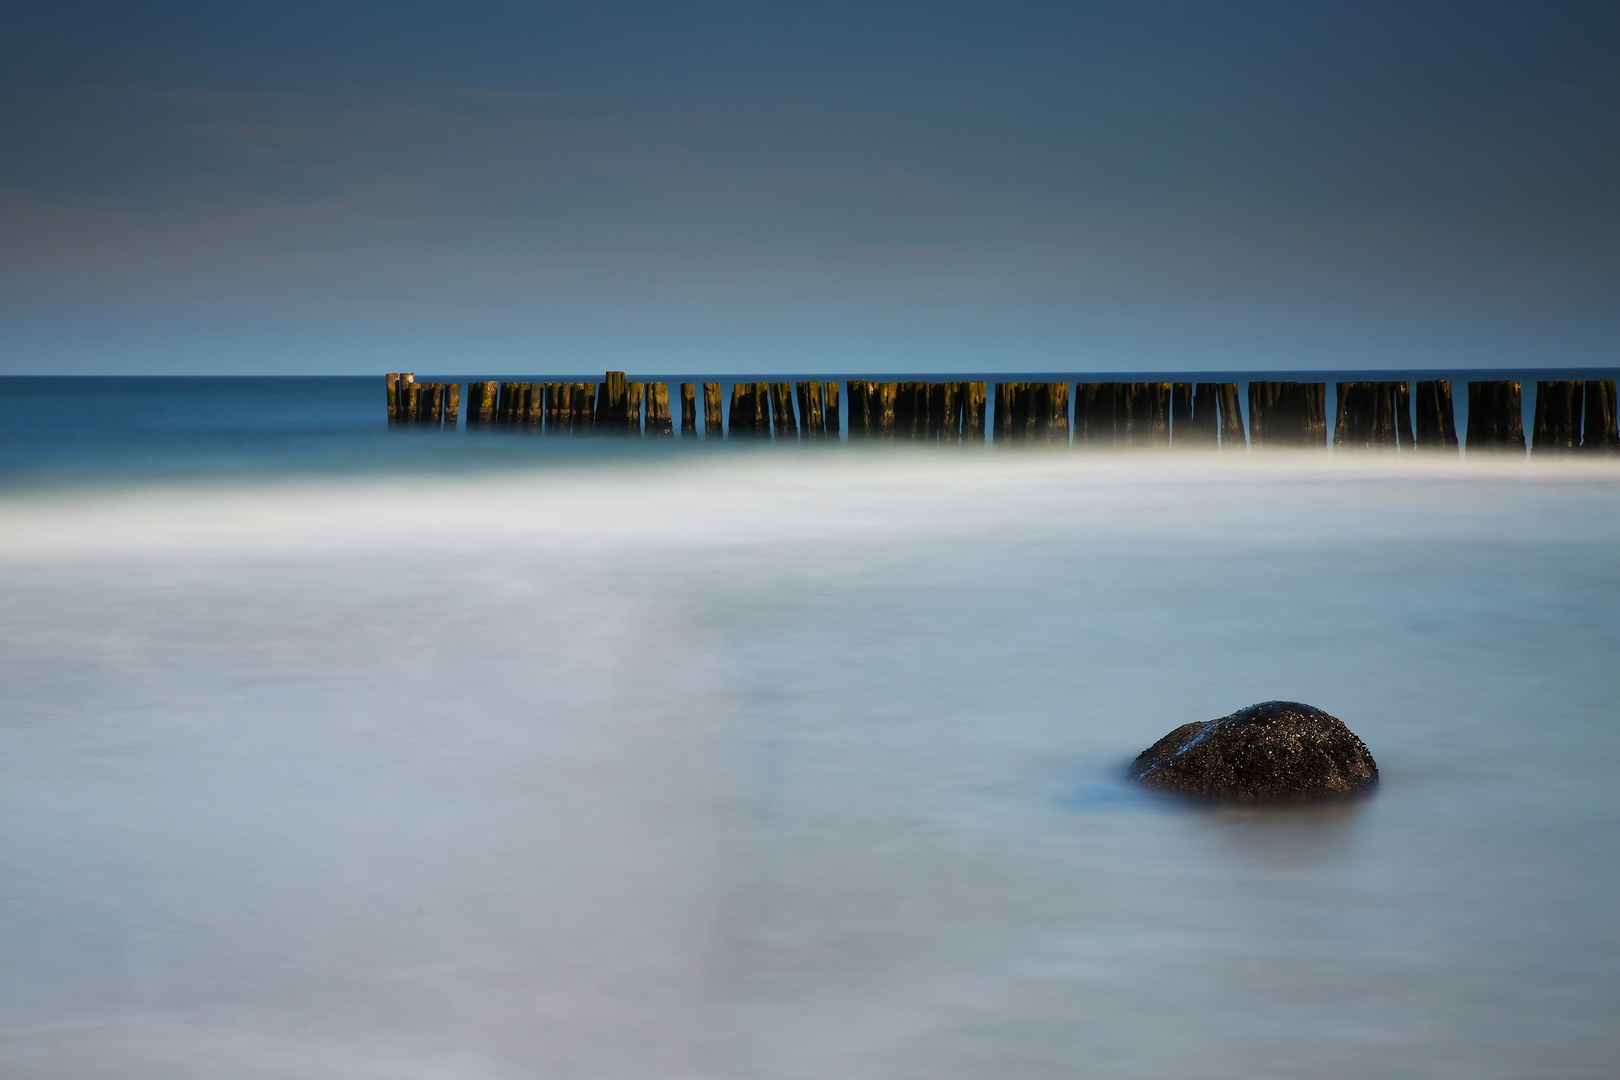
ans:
x=332 y=752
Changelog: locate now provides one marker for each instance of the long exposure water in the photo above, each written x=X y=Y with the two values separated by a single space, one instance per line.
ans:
x=329 y=754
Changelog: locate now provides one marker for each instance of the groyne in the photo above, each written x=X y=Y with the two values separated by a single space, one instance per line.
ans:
x=1570 y=416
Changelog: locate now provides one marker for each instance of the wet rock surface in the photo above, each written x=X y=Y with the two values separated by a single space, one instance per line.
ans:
x=1273 y=751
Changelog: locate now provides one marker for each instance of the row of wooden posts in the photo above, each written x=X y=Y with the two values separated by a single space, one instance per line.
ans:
x=1569 y=415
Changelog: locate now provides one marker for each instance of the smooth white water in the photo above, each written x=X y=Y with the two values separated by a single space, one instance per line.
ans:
x=805 y=765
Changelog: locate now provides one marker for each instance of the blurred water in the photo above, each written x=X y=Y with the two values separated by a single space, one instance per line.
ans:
x=793 y=765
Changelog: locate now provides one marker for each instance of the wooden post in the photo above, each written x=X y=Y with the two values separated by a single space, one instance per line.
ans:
x=1312 y=410
x=588 y=410
x=1023 y=419
x=410 y=400
x=905 y=410
x=1094 y=415
x=659 y=424
x=811 y=423
x=563 y=395
x=713 y=423
x=860 y=416
x=829 y=408
x=973 y=413
x=1495 y=416
x=452 y=406
x=1600 y=435
x=750 y=410
x=783 y=422
x=1348 y=406
x=951 y=395
x=1558 y=418
x=391 y=384
x=887 y=394
x=635 y=395
x=734 y=421
x=1403 y=416
x=1041 y=410
x=688 y=410
x=713 y=416
x=1150 y=415
x=1204 y=429
x=1366 y=416
x=407 y=397
x=1181 y=411
x=1288 y=414
x=1436 y=421
x=1265 y=427
x=611 y=403
x=481 y=399
x=1054 y=413
x=1232 y=436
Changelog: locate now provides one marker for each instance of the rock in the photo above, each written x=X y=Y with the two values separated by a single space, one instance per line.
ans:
x=1277 y=750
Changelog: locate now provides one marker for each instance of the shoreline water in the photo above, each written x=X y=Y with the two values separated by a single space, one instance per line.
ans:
x=794 y=764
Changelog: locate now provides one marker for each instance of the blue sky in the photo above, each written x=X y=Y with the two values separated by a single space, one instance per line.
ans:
x=533 y=188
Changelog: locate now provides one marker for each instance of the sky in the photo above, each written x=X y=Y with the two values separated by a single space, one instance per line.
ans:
x=533 y=188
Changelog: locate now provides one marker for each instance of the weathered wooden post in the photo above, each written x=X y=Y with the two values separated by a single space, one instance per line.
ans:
x=391 y=384
x=688 y=410
x=1403 y=415
x=1265 y=413
x=1600 y=435
x=952 y=396
x=1313 y=415
x=713 y=422
x=1436 y=422
x=1203 y=429
x=783 y=422
x=1232 y=429
x=1094 y=416
x=905 y=410
x=735 y=419
x=635 y=396
x=408 y=397
x=762 y=409
x=1150 y=415
x=452 y=406
x=1014 y=415
x=860 y=409
x=410 y=400
x=1054 y=409
x=1495 y=416
x=887 y=394
x=481 y=398
x=659 y=424
x=829 y=407
x=1557 y=427
x=973 y=413
x=562 y=395
x=1366 y=417
x=612 y=403
x=1287 y=414
x=751 y=410
x=1350 y=409
x=811 y=423
x=588 y=406
x=1181 y=408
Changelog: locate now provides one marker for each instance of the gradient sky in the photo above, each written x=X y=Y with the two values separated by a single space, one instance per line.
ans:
x=533 y=188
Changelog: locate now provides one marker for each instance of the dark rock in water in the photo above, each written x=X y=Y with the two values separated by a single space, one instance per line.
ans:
x=1277 y=750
